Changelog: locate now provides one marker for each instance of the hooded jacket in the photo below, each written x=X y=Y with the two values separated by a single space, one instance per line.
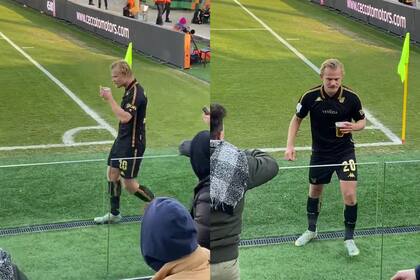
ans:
x=169 y=241
x=199 y=152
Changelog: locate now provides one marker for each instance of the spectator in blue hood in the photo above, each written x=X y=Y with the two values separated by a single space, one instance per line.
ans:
x=169 y=242
x=199 y=152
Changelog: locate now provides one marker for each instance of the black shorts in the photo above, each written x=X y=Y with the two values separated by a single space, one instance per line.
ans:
x=346 y=171
x=129 y=165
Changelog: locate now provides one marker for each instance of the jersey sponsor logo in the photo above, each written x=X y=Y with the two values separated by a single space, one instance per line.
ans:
x=330 y=112
x=131 y=107
x=298 y=107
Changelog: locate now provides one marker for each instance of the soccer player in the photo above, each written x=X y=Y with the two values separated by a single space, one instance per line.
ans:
x=336 y=111
x=123 y=160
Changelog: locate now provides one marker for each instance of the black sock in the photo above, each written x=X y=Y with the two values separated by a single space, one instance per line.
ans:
x=114 y=189
x=144 y=193
x=313 y=208
x=350 y=218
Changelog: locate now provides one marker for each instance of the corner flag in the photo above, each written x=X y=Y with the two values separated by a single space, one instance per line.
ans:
x=403 y=72
x=405 y=55
x=129 y=55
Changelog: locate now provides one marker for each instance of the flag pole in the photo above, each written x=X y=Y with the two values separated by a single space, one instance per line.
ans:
x=404 y=116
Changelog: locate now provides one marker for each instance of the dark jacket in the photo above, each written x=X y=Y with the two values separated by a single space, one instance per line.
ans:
x=201 y=211
x=226 y=227
x=199 y=152
x=417 y=272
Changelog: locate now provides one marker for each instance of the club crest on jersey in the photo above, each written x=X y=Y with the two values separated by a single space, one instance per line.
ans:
x=130 y=107
x=341 y=99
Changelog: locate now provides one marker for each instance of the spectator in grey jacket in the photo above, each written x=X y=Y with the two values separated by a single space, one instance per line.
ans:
x=232 y=173
x=409 y=274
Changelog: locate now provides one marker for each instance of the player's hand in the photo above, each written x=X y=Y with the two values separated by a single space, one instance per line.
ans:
x=105 y=93
x=290 y=154
x=346 y=127
x=408 y=274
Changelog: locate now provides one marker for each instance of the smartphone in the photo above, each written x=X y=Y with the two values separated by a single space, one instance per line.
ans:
x=206 y=110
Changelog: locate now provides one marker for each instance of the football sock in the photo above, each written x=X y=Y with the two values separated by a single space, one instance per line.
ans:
x=144 y=193
x=114 y=190
x=350 y=218
x=313 y=207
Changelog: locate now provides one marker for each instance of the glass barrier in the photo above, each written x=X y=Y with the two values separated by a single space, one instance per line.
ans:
x=276 y=214
x=47 y=211
x=401 y=218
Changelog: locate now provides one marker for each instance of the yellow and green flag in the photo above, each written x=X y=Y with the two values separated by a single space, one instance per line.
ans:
x=403 y=72
x=405 y=55
x=129 y=55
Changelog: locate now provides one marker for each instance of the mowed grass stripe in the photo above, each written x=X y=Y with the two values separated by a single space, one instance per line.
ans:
x=81 y=61
x=369 y=116
x=260 y=82
x=35 y=109
x=66 y=90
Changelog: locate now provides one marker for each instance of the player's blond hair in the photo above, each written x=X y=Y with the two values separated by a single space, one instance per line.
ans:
x=332 y=63
x=123 y=68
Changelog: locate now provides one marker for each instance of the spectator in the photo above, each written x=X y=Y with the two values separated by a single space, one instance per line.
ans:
x=181 y=25
x=8 y=270
x=198 y=151
x=169 y=242
x=160 y=5
x=167 y=10
x=106 y=4
x=233 y=172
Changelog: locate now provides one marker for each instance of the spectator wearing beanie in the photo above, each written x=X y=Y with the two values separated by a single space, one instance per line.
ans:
x=169 y=242
x=199 y=152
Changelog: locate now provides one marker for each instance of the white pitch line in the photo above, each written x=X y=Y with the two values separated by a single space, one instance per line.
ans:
x=76 y=99
x=48 y=146
x=394 y=138
x=273 y=150
x=238 y=29
x=68 y=135
x=79 y=161
x=28 y=47
x=371 y=127
x=139 y=278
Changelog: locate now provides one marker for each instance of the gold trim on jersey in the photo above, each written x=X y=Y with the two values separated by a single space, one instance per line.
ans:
x=134 y=163
x=133 y=137
x=317 y=88
x=351 y=91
